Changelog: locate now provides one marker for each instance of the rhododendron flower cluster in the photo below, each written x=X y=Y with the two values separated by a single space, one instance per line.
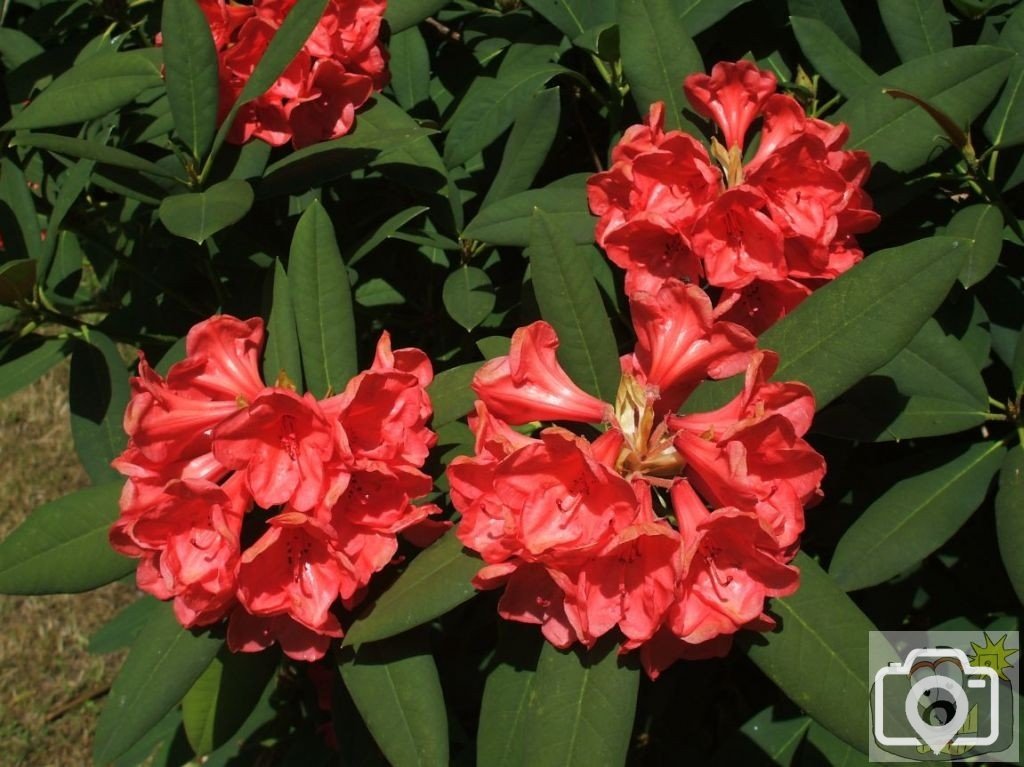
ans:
x=672 y=529
x=767 y=231
x=315 y=99
x=258 y=504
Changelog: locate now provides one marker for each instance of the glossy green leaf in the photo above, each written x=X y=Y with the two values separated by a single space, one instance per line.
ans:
x=1005 y=125
x=504 y=711
x=200 y=215
x=836 y=753
x=581 y=707
x=396 y=687
x=98 y=395
x=385 y=231
x=17 y=281
x=841 y=67
x=436 y=581
x=322 y=302
x=224 y=696
x=1017 y=368
x=777 y=738
x=507 y=221
x=74 y=185
x=1010 y=517
x=19 y=221
x=25 y=362
x=570 y=301
x=981 y=227
x=468 y=296
x=916 y=515
x=528 y=145
x=164 y=663
x=91 y=150
x=896 y=132
x=851 y=327
x=91 y=89
x=403 y=14
x=821 y=629
x=410 y=69
x=699 y=15
x=450 y=393
x=121 y=630
x=832 y=13
x=62 y=547
x=490 y=106
x=282 y=350
x=190 y=59
x=657 y=55
x=574 y=17
x=916 y=27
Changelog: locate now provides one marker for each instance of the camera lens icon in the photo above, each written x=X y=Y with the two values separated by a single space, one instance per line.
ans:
x=936 y=707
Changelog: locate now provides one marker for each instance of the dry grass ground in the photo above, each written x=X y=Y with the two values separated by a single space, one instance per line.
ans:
x=44 y=664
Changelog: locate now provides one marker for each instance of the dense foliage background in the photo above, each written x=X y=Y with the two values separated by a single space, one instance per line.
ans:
x=126 y=219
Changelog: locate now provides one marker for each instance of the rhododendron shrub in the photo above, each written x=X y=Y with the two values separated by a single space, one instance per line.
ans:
x=674 y=529
x=251 y=503
x=454 y=383
x=767 y=217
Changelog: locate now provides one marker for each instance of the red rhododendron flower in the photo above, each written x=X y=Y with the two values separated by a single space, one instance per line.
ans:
x=213 y=450
x=766 y=232
x=569 y=527
x=341 y=65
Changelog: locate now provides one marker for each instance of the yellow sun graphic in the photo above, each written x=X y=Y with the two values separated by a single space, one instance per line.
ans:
x=993 y=655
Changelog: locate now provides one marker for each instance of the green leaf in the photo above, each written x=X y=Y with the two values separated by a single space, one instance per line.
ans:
x=75 y=182
x=22 y=238
x=26 y=361
x=821 y=629
x=200 y=215
x=961 y=82
x=450 y=393
x=573 y=17
x=508 y=690
x=98 y=393
x=403 y=14
x=490 y=106
x=699 y=15
x=981 y=226
x=851 y=327
x=841 y=67
x=436 y=581
x=1017 y=368
x=223 y=697
x=657 y=55
x=282 y=350
x=507 y=222
x=385 y=231
x=410 y=69
x=121 y=630
x=832 y=13
x=527 y=147
x=916 y=27
x=1010 y=518
x=62 y=547
x=468 y=296
x=91 y=150
x=396 y=687
x=322 y=302
x=569 y=299
x=835 y=752
x=17 y=281
x=581 y=708
x=163 y=664
x=1005 y=125
x=916 y=515
x=190 y=59
x=776 y=736
x=91 y=89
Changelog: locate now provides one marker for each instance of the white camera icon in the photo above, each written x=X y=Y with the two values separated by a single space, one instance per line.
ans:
x=946 y=687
